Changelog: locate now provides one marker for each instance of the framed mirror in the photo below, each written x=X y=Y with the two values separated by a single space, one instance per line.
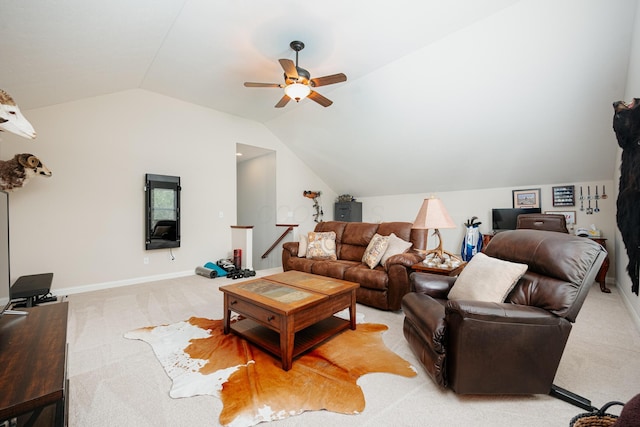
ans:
x=162 y=207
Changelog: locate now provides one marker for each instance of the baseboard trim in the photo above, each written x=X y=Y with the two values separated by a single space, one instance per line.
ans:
x=119 y=283
x=635 y=316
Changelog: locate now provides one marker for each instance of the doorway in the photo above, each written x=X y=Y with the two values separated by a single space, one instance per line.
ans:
x=256 y=201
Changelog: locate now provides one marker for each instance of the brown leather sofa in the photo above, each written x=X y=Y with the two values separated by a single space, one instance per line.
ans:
x=381 y=287
x=513 y=347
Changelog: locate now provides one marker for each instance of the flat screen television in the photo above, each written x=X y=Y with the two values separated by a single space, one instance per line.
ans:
x=506 y=219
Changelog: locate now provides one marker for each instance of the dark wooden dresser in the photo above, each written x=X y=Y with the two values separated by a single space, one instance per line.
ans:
x=33 y=377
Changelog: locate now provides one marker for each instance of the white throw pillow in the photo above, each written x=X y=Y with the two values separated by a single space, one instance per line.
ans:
x=376 y=248
x=486 y=279
x=302 y=245
x=396 y=246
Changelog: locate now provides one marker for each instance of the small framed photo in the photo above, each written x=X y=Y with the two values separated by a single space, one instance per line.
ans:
x=526 y=198
x=569 y=216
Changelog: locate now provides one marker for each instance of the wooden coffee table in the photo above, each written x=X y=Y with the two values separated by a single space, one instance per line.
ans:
x=289 y=313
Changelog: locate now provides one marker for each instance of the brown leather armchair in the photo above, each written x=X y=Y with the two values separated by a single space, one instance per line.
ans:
x=549 y=222
x=514 y=347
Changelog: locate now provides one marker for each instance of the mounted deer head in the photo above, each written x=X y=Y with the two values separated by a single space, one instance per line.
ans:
x=12 y=120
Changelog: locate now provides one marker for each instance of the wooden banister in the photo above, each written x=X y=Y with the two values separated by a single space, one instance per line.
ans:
x=279 y=239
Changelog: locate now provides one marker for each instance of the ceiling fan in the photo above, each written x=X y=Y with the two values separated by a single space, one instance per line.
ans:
x=298 y=83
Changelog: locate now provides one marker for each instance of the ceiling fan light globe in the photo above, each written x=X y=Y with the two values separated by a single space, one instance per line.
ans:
x=297 y=91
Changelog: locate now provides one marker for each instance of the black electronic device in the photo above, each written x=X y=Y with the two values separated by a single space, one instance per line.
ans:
x=507 y=218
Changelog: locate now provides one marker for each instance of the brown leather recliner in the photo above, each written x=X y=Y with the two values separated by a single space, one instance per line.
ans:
x=513 y=347
x=549 y=222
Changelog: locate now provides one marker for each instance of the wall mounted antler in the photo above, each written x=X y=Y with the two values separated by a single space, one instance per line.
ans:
x=315 y=195
x=12 y=120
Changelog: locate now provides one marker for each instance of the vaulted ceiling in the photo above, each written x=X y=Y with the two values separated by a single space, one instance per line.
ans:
x=440 y=96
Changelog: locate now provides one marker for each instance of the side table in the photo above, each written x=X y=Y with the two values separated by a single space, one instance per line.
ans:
x=452 y=271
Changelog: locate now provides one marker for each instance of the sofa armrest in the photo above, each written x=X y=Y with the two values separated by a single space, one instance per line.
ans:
x=289 y=250
x=434 y=285
x=291 y=247
x=406 y=259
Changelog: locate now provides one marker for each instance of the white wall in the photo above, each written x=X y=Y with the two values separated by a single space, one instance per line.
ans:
x=463 y=205
x=257 y=187
x=86 y=223
x=632 y=91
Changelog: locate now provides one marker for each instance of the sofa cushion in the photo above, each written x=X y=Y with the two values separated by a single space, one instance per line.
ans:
x=335 y=269
x=486 y=279
x=375 y=250
x=396 y=246
x=355 y=239
x=376 y=278
x=322 y=245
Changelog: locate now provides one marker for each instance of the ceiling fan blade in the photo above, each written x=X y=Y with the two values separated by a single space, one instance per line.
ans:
x=315 y=96
x=283 y=101
x=289 y=68
x=328 y=80
x=251 y=84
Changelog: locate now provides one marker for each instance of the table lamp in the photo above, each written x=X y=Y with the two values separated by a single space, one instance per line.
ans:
x=433 y=216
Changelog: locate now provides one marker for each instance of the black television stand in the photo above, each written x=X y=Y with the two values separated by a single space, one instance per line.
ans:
x=34 y=288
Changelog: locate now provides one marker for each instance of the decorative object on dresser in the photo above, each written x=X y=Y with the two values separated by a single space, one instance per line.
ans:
x=512 y=346
x=433 y=216
x=626 y=125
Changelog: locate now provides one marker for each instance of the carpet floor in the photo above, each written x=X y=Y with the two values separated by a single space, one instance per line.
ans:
x=116 y=381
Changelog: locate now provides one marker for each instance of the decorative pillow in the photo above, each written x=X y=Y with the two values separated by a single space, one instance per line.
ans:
x=302 y=245
x=322 y=245
x=376 y=248
x=486 y=279
x=396 y=246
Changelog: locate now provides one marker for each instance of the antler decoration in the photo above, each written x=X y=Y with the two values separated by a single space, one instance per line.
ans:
x=12 y=120
x=317 y=217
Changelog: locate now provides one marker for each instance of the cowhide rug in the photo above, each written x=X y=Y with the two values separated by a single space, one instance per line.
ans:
x=253 y=388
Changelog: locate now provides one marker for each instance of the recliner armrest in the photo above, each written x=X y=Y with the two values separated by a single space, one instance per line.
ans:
x=434 y=285
x=500 y=312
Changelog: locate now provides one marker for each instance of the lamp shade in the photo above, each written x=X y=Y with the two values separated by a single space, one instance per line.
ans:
x=433 y=215
x=297 y=91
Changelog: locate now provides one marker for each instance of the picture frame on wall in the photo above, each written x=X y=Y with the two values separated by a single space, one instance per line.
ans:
x=526 y=198
x=569 y=216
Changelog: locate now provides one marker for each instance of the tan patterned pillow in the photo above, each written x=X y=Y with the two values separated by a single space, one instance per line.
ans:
x=376 y=248
x=322 y=245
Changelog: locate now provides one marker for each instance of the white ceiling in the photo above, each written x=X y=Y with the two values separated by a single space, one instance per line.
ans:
x=440 y=96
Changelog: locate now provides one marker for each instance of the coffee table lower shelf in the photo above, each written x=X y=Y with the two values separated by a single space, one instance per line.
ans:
x=305 y=339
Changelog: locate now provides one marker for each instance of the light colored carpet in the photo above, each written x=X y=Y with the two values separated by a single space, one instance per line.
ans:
x=116 y=381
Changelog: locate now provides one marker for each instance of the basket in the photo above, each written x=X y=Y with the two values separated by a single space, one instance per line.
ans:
x=597 y=418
